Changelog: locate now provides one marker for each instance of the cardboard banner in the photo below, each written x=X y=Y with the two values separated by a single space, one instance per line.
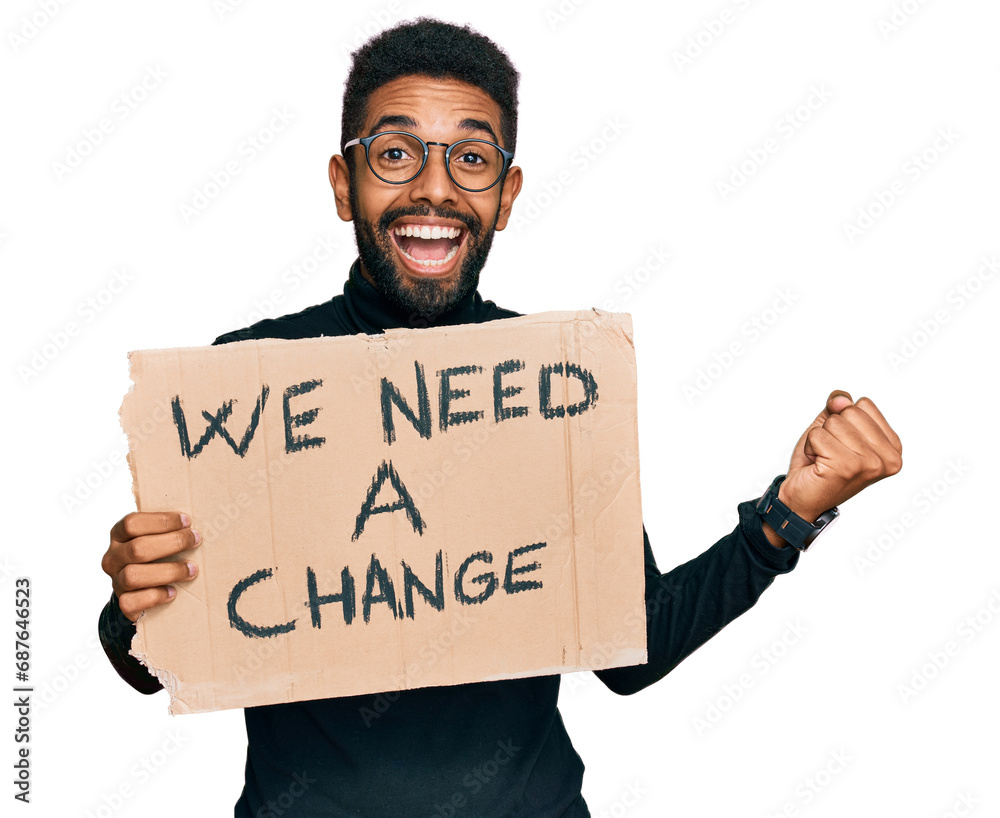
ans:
x=410 y=509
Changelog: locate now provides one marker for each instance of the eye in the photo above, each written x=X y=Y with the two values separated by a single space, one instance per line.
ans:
x=395 y=154
x=470 y=156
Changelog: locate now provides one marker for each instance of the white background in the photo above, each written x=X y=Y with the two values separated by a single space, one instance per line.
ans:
x=683 y=127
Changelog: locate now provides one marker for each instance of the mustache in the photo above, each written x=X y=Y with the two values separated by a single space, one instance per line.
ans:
x=472 y=224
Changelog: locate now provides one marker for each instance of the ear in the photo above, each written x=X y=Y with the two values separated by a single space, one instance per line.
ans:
x=340 y=178
x=511 y=187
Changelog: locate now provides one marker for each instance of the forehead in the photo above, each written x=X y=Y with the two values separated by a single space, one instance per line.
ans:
x=437 y=105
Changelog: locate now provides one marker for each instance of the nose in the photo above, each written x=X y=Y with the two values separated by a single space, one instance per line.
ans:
x=433 y=186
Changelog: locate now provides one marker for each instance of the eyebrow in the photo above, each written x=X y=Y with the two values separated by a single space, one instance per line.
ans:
x=393 y=121
x=401 y=121
x=478 y=125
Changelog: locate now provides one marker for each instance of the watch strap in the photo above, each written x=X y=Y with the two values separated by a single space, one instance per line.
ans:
x=794 y=530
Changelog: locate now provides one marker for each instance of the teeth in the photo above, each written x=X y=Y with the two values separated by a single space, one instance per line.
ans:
x=430 y=262
x=425 y=232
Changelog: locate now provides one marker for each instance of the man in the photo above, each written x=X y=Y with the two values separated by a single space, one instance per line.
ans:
x=425 y=174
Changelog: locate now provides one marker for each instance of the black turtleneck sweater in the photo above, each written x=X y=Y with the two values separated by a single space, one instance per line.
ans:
x=486 y=749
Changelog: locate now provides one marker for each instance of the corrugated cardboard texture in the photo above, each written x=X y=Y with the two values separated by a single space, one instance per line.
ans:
x=416 y=508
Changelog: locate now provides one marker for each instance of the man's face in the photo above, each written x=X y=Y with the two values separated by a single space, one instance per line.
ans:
x=436 y=110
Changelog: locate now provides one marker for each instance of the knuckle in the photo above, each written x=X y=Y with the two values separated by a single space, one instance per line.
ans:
x=872 y=468
x=130 y=577
x=130 y=525
x=852 y=467
x=126 y=603
x=135 y=550
x=182 y=540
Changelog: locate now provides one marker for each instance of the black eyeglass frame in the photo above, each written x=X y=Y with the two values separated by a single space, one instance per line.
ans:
x=508 y=157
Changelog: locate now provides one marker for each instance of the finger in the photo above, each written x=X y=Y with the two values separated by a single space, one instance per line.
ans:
x=800 y=455
x=141 y=523
x=869 y=460
x=867 y=405
x=135 y=602
x=856 y=460
x=826 y=449
x=830 y=476
x=838 y=401
x=872 y=431
x=138 y=577
x=149 y=548
x=866 y=436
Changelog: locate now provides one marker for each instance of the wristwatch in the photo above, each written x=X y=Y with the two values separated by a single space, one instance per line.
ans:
x=790 y=526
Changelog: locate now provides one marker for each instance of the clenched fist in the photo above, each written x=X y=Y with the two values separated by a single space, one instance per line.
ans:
x=847 y=448
x=141 y=559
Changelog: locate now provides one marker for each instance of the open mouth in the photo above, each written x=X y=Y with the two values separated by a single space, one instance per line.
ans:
x=428 y=246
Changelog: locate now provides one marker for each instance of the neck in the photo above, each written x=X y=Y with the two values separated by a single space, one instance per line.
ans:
x=379 y=311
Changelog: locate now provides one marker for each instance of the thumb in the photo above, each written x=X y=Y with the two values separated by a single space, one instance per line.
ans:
x=837 y=402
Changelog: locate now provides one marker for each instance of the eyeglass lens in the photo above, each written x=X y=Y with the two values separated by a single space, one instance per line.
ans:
x=396 y=158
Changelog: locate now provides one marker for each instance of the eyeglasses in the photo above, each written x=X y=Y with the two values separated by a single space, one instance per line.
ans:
x=397 y=157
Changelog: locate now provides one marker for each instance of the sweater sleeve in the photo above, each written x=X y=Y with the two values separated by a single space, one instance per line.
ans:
x=116 y=631
x=690 y=604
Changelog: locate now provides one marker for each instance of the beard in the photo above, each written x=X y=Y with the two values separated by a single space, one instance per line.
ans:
x=422 y=299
